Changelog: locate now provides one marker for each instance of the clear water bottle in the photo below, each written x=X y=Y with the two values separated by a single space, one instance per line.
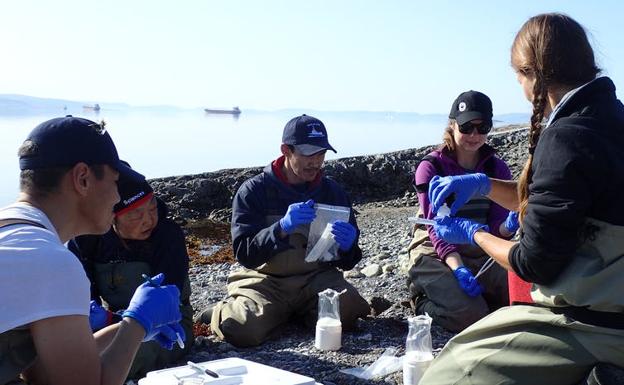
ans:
x=328 y=325
x=418 y=350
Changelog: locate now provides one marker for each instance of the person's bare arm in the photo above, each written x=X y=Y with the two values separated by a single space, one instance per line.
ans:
x=68 y=354
x=495 y=247
x=505 y=193
x=118 y=356
x=453 y=261
x=105 y=336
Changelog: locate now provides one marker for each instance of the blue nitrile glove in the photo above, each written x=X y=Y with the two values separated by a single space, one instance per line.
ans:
x=98 y=316
x=344 y=234
x=511 y=223
x=457 y=230
x=300 y=213
x=167 y=336
x=463 y=186
x=467 y=281
x=154 y=306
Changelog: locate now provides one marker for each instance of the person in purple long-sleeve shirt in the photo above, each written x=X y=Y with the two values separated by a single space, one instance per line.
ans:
x=442 y=275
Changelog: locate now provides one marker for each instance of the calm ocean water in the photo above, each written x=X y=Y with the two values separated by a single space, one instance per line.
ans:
x=174 y=142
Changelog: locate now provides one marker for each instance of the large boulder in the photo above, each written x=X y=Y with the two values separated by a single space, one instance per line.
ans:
x=367 y=178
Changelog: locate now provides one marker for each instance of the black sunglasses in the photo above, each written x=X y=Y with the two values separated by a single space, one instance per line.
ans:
x=482 y=128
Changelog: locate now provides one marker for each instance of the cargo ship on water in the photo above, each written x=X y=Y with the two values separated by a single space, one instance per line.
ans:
x=233 y=111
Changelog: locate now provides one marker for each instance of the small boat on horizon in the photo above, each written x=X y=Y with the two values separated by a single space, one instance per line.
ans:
x=95 y=107
x=233 y=111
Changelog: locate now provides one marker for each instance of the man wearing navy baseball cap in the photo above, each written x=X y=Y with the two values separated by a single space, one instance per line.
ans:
x=307 y=135
x=68 y=187
x=271 y=216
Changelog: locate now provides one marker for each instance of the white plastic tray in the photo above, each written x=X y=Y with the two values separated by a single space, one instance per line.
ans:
x=256 y=374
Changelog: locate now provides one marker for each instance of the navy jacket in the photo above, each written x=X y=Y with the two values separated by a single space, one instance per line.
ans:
x=264 y=195
x=578 y=173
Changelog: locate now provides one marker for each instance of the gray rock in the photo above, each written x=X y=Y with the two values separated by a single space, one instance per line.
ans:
x=381 y=256
x=385 y=178
x=371 y=270
x=388 y=268
x=353 y=273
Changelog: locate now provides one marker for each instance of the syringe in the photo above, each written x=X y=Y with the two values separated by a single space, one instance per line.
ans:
x=421 y=221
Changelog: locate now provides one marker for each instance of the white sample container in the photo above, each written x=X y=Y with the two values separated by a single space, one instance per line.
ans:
x=414 y=366
x=328 y=334
x=418 y=351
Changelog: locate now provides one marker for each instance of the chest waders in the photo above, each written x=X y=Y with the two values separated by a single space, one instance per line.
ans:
x=261 y=300
x=576 y=323
x=117 y=281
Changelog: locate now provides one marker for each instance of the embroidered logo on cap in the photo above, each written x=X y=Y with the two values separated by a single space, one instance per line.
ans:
x=133 y=198
x=314 y=133
x=462 y=107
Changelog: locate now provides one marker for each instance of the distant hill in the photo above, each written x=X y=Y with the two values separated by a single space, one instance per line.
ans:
x=11 y=104
x=21 y=105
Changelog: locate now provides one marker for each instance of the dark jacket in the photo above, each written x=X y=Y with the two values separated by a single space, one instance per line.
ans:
x=265 y=195
x=164 y=251
x=578 y=173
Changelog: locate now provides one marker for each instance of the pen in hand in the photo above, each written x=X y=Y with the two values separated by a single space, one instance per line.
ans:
x=148 y=279
x=179 y=340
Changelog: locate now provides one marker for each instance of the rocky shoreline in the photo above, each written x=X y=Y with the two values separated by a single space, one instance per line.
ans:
x=380 y=186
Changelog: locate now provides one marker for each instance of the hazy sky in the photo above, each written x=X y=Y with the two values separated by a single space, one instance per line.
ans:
x=265 y=54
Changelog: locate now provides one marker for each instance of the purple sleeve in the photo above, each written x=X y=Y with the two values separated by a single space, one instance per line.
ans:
x=498 y=214
x=424 y=173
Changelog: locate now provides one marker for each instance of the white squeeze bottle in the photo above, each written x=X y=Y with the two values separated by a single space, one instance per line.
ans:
x=328 y=326
x=418 y=350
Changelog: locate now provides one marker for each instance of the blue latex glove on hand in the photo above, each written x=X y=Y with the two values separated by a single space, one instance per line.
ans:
x=463 y=186
x=298 y=214
x=167 y=335
x=344 y=234
x=457 y=230
x=467 y=281
x=154 y=306
x=511 y=223
x=98 y=316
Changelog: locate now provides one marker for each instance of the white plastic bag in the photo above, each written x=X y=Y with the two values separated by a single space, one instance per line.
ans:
x=386 y=364
x=321 y=243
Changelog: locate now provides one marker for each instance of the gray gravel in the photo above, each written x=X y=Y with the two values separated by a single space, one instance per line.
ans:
x=385 y=234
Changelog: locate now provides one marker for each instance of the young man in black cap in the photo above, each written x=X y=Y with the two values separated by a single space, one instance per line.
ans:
x=68 y=187
x=271 y=213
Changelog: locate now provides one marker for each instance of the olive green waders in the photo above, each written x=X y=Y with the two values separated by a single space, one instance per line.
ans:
x=548 y=344
x=436 y=291
x=259 y=301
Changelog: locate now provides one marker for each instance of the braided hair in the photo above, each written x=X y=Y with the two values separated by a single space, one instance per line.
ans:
x=553 y=51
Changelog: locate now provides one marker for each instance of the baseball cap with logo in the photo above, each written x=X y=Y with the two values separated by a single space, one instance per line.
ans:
x=307 y=134
x=471 y=105
x=69 y=140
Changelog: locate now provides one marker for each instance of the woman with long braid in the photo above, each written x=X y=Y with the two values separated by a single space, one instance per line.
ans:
x=572 y=242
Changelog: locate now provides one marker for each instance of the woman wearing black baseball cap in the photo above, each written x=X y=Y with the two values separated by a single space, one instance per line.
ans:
x=442 y=279
x=142 y=240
